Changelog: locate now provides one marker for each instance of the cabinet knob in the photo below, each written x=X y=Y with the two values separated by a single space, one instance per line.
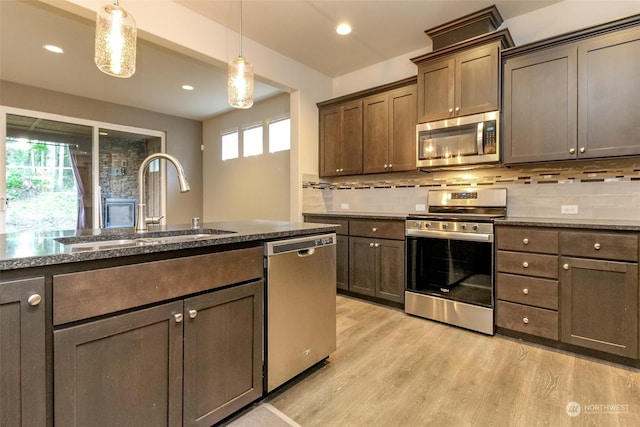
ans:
x=582 y=149
x=457 y=109
x=525 y=320
x=34 y=300
x=451 y=110
x=193 y=313
x=386 y=166
x=596 y=246
x=525 y=291
x=572 y=151
x=341 y=170
x=337 y=170
x=377 y=245
x=178 y=317
x=525 y=241
x=390 y=165
x=566 y=266
x=374 y=229
x=525 y=264
x=371 y=244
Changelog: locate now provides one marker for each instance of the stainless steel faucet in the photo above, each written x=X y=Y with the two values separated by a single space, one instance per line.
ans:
x=143 y=220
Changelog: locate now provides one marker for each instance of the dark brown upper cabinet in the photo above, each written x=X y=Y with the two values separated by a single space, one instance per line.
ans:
x=341 y=139
x=389 y=131
x=576 y=96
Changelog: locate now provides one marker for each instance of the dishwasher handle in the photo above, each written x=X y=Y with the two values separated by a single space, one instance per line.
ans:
x=303 y=246
x=306 y=252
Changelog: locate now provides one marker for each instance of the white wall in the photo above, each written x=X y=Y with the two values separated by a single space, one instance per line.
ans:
x=246 y=188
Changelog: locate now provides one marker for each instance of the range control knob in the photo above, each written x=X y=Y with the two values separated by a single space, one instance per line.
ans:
x=445 y=226
x=475 y=227
x=428 y=225
x=417 y=224
x=463 y=227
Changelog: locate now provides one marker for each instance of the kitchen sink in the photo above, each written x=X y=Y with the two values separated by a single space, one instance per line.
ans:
x=130 y=240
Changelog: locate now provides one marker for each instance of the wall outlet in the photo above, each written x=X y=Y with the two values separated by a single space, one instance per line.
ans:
x=344 y=205
x=421 y=208
x=569 y=209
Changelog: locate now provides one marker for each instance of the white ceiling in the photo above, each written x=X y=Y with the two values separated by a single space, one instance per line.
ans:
x=300 y=29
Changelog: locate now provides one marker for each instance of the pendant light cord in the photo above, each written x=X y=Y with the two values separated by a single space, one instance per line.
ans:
x=240 y=28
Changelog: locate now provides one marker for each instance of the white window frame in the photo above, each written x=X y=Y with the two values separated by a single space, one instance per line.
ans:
x=249 y=128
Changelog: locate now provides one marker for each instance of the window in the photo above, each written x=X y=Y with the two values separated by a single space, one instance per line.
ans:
x=252 y=141
x=230 y=145
x=280 y=135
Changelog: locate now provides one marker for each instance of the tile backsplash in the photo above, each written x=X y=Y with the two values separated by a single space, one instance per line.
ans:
x=597 y=190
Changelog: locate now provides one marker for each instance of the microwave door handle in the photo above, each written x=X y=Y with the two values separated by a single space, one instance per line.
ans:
x=480 y=138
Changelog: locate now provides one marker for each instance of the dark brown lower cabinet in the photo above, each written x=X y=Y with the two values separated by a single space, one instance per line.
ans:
x=22 y=354
x=138 y=368
x=599 y=305
x=376 y=267
x=342 y=262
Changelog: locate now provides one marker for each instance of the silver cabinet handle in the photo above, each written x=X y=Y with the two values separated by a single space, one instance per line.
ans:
x=566 y=266
x=193 y=313
x=341 y=170
x=390 y=165
x=525 y=320
x=525 y=291
x=457 y=109
x=525 y=264
x=386 y=166
x=525 y=241
x=371 y=244
x=178 y=317
x=377 y=245
x=451 y=110
x=34 y=300
x=572 y=151
x=596 y=246
x=582 y=149
x=374 y=229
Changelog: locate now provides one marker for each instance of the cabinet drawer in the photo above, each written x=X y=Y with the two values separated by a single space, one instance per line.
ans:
x=529 y=239
x=527 y=264
x=86 y=294
x=622 y=247
x=530 y=320
x=527 y=290
x=377 y=229
x=343 y=223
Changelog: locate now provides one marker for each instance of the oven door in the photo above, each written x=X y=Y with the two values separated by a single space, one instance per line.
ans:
x=458 y=270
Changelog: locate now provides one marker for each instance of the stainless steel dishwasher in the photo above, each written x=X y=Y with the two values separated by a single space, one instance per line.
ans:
x=300 y=305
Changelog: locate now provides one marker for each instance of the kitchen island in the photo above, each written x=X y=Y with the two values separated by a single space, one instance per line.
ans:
x=111 y=327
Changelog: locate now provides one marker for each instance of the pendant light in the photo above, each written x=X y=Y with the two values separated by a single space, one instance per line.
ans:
x=240 y=78
x=115 y=50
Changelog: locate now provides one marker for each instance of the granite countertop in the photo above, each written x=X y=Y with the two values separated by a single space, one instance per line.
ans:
x=587 y=223
x=35 y=249
x=351 y=214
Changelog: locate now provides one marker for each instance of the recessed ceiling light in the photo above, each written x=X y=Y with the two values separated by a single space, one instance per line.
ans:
x=187 y=87
x=53 y=48
x=343 y=29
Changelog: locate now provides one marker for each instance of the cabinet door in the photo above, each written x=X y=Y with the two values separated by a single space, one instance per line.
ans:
x=222 y=353
x=403 y=118
x=342 y=262
x=436 y=90
x=599 y=305
x=124 y=370
x=351 y=159
x=330 y=142
x=476 y=81
x=609 y=95
x=540 y=113
x=376 y=134
x=362 y=266
x=390 y=283
x=22 y=354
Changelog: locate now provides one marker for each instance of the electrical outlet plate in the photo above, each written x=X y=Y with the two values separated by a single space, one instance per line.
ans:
x=421 y=208
x=344 y=205
x=569 y=209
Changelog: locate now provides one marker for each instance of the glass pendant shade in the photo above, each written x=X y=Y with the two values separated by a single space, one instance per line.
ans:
x=115 y=49
x=240 y=83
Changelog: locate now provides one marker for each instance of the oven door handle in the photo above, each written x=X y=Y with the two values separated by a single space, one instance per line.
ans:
x=453 y=235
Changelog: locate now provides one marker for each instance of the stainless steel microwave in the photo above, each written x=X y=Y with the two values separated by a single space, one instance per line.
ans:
x=460 y=141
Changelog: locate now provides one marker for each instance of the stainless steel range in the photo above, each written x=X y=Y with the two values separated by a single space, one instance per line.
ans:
x=450 y=257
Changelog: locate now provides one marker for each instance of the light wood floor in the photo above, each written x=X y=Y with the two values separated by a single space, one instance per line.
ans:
x=391 y=369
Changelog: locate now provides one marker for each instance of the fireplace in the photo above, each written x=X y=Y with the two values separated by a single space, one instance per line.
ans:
x=119 y=212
